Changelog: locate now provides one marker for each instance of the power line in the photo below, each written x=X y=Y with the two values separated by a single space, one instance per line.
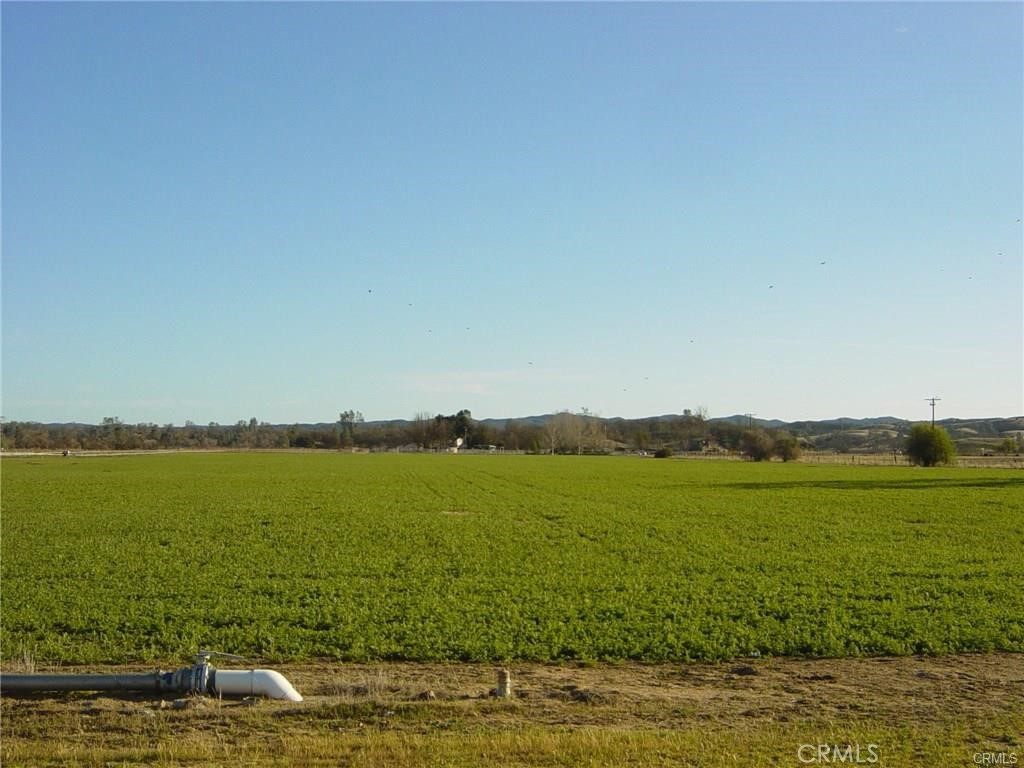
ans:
x=932 y=400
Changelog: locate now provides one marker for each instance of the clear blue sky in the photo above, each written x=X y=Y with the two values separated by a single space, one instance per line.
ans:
x=218 y=211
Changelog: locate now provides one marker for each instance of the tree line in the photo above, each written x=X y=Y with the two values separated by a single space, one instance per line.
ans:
x=560 y=433
x=563 y=432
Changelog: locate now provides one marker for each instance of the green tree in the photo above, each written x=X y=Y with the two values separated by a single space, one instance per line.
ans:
x=463 y=425
x=928 y=446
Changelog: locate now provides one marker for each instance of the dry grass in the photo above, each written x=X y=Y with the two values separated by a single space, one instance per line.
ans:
x=753 y=744
x=917 y=711
x=24 y=661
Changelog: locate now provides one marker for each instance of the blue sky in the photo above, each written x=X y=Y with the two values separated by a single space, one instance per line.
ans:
x=219 y=211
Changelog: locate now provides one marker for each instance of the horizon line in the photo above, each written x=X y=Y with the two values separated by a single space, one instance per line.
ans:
x=752 y=417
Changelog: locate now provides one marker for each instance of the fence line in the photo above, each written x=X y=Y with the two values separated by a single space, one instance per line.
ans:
x=899 y=459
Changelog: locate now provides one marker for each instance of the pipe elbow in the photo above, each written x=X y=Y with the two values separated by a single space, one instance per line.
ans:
x=254 y=682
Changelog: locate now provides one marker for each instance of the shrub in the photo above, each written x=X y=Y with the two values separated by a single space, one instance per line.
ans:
x=663 y=453
x=928 y=446
x=757 y=444
x=787 y=447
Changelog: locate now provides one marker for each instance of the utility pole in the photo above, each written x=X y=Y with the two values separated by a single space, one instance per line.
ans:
x=932 y=400
x=750 y=419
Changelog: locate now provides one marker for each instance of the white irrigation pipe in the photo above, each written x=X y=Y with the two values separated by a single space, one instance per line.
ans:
x=253 y=682
x=200 y=678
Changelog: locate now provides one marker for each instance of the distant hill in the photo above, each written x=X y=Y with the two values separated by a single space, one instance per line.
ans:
x=742 y=420
x=533 y=421
x=987 y=427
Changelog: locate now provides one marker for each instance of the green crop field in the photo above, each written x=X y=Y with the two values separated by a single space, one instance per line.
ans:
x=434 y=557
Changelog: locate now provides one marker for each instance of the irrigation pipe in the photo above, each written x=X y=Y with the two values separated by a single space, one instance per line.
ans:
x=199 y=679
